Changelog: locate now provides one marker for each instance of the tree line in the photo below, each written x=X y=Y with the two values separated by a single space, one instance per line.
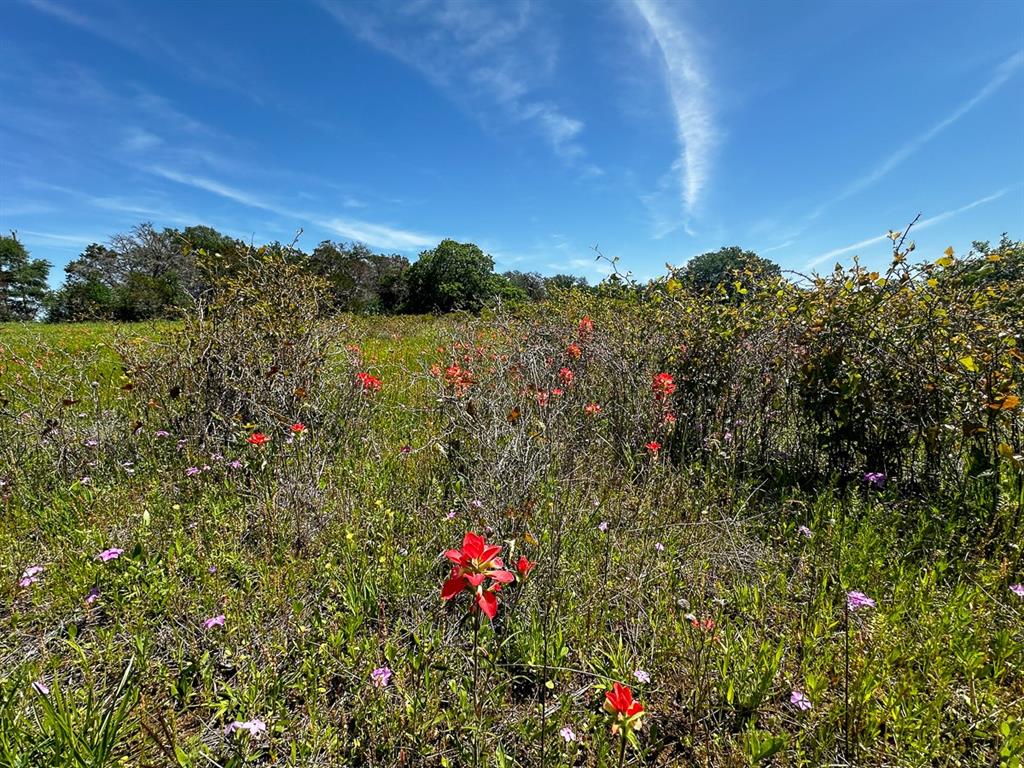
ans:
x=151 y=273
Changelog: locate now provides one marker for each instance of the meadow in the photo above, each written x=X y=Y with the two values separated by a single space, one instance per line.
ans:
x=786 y=518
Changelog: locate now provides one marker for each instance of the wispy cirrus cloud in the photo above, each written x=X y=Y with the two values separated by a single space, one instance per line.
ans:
x=380 y=235
x=999 y=77
x=481 y=56
x=922 y=224
x=690 y=93
x=118 y=25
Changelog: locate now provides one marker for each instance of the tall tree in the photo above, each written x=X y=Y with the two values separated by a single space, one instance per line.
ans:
x=728 y=271
x=22 y=280
x=453 y=276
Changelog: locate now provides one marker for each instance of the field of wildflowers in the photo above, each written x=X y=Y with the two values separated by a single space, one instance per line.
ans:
x=633 y=528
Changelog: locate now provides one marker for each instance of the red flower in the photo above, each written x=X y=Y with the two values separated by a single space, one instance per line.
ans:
x=542 y=398
x=574 y=351
x=706 y=624
x=592 y=409
x=298 y=428
x=368 y=383
x=458 y=378
x=654 y=446
x=557 y=391
x=586 y=326
x=473 y=565
x=619 y=703
x=566 y=375
x=663 y=386
x=258 y=439
x=524 y=566
x=669 y=419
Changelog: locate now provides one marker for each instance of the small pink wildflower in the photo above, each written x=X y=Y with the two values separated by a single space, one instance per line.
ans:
x=602 y=526
x=93 y=596
x=642 y=676
x=805 y=531
x=214 y=621
x=41 y=688
x=855 y=600
x=567 y=733
x=659 y=546
x=109 y=554
x=381 y=676
x=253 y=727
x=799 y=700
x=1018 y=590
x=30 y=576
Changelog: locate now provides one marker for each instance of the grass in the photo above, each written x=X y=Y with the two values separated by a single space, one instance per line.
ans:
x=690 y=583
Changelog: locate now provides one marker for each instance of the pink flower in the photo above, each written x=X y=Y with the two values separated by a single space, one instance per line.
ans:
x=109 y=554
x=93 y=596
x=659 y=546
x=855 y=600
x=799 y=700
x=214 y=621
x=602 y=526
x=1018 y=590
x=30 y=576
x=642 y=676
x=805 y=531
x=41 y=688
x=567 y=733
x=253 y=727
x=381 y=676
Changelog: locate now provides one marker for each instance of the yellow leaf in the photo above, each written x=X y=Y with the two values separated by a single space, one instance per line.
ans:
x=968 y=363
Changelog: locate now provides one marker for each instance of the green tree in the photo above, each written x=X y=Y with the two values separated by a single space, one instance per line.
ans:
x=22 y=280
x=92 y=286
x=729 y=272
x=562 y=282
x=454 y=276
x=361 y=280
x=532 y=284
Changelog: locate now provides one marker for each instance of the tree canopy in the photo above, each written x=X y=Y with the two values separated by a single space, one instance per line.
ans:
x=22 y=280
x=726 y=270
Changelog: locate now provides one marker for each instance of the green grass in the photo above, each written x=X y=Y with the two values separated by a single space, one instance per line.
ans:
x=325 y=560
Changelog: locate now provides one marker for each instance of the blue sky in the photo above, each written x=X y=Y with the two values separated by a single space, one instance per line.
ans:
x=654 y=130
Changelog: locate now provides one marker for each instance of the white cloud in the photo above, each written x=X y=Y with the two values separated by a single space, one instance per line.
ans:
x=481 y=56
x=690 y=93
x=922 y=224
x=378 y=235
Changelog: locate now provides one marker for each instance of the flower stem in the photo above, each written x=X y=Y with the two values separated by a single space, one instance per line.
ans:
x=476 y=688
